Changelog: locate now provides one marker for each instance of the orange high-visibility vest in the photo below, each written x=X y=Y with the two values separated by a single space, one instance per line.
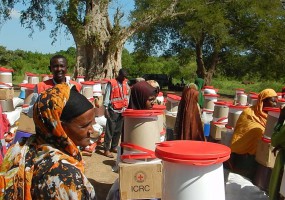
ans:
x=118 y=98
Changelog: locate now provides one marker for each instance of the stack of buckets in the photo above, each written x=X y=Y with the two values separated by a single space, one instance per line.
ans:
x=233 y=115
x=210 y=97
x=264 y=154
x=220 y=118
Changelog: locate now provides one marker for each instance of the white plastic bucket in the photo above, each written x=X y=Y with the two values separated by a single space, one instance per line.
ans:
x=242 y=99
x=272 y=119
x=238 y=91
x=33 y=79
x=141 y=127
x=234 y=113
x=87 y=89
x=221 y=110
x=189 y=173
x=6 y=76
x=209 y=100
x=97 y=90
x=209 y=90
x=172 y=102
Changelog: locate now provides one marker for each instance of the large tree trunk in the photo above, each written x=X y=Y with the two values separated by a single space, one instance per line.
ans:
x=202 y=71
x=95 y=64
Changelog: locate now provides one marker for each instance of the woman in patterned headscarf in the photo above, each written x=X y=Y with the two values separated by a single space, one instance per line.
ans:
x=249 y=129
x=49 y=165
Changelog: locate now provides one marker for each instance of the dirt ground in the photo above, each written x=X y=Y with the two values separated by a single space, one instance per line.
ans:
x=98 y=169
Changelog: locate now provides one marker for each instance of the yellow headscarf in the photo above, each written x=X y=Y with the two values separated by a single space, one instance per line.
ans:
x=250 y=126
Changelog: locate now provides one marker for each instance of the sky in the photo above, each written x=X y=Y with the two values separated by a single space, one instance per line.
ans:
x=14 y=36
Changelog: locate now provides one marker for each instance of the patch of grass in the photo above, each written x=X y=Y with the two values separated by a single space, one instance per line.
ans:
x=228 y=87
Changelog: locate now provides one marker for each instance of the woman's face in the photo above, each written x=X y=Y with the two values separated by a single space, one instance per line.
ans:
x=270 y=102
x=150 y=102
x=80 y=128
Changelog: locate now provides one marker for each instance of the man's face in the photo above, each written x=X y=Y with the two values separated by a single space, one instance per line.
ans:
x=58 y=68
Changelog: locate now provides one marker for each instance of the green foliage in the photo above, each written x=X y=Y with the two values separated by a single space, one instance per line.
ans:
x=227 y=86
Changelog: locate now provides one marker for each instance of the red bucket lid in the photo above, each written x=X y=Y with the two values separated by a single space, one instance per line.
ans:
x=80 y=77
x=160 y=94
x=211 y=95
x=88 y=82
x=189 y=152
x=254 y=96
x=237 y=107
x=281 y=100
x=141 y=113
x=240 y=89
x=279 y=93
x=158 y=107
x=174 y=97
x=3 y=69
x=221 y=103
x=271 y=109
x=206 y=110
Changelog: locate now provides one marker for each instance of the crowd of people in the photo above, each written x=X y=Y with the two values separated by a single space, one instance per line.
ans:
x=49 y=164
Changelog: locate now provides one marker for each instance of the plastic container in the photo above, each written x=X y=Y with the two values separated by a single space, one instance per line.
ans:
x=87 y=89
x=29 y=90
x=221 y=110
x=207 y=128
x=208 y=89
x=141 y=127
x=238 y=91
x=7 y=105
x=172 y=102
x=241 y=99
x=19 y=135
x=272 y=119
x=279 y=95
x=209 y=101
x=234 y=113
x=6 y=75
x=97 y=89
x=33 y=79
x=252 y=98
x=189 y=173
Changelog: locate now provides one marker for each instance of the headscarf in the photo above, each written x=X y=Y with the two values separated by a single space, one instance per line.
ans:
x=47 y=157
x=250 y=126
x=140 y=92
x=188 y=124
x=200 y=83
